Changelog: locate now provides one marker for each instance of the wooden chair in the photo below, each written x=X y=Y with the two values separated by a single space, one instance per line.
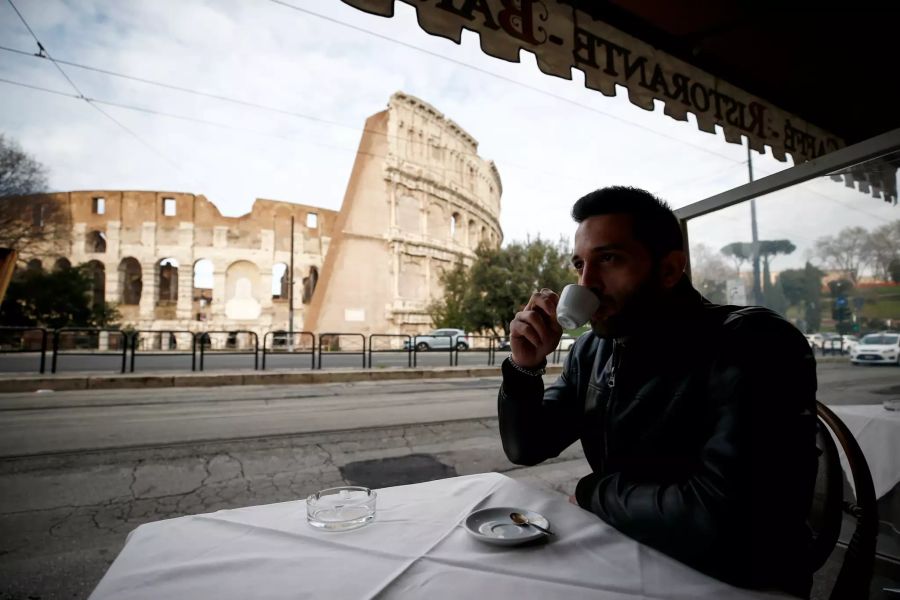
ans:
x=855 y=574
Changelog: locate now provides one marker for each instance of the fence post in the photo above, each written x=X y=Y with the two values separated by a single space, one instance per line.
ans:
x=134 y=341
x=43 y=350
x=55 y=350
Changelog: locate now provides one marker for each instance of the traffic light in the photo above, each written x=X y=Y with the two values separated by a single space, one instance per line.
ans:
x=841 y=309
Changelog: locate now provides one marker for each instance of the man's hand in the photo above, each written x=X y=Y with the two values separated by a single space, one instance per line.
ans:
x=534 y=332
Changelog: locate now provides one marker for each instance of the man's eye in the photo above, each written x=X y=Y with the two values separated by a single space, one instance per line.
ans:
x=607 y=257
x=578 y=266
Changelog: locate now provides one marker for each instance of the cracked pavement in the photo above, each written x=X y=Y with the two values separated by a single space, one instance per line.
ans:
x=64 y=517
x=80 y=470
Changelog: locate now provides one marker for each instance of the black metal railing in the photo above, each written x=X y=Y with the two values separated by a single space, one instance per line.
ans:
x=405 y=347
x=565 y=345
x=232 y=346
x=87 y=341
x=429 y=343
x=330 y=343
x=165 y=342
x=284 y=342
x=25 y=343
x=160 y=344
x=472 y=345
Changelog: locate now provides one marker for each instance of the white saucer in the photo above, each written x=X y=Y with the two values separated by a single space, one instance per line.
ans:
x=493 y=526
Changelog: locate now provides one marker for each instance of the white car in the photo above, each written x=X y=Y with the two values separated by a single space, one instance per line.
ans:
x=850 y=343
x=877 y=348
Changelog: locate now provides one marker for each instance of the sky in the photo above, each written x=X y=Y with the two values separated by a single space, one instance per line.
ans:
x=324 y=69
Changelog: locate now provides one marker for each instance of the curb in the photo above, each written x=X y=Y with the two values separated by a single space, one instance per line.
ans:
x=168 y=380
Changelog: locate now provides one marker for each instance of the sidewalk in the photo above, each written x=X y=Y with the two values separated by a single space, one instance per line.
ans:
x=166 y=379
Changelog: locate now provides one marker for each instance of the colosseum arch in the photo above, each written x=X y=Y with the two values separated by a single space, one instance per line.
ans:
x=457 y=228
x=168 y=281
x=130 y=281
x=309 y=284
x=280 y=281
x=95 y=242
x=96 y=271
x=437 y=226
x=242 y=287
x=35 y=265
x=408 y=214
x=62 y=264
x=472 y=234
x=203 y=289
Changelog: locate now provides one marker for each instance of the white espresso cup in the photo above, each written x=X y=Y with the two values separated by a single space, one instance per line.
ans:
x=576 y=305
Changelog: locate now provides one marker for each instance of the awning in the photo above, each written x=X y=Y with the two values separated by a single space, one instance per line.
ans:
x=610 y=42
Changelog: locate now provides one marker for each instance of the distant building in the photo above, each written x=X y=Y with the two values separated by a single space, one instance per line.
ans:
x=419 y=199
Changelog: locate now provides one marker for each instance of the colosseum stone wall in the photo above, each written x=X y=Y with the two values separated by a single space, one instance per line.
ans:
x=419 y=199
x=171 y=261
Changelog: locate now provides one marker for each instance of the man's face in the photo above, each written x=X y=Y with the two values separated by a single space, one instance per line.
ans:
x=619 y=269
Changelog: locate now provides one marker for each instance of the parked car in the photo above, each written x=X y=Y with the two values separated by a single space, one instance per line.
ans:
x=877 y=348
x=850 y=343
x=439 y=339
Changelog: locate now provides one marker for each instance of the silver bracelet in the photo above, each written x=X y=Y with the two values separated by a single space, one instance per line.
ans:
x=532 y=372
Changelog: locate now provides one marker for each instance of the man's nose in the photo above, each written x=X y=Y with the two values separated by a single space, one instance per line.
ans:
x=590 y=279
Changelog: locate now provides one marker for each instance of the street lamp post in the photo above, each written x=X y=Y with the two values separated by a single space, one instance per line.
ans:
x=291 y=292
x=757 y=291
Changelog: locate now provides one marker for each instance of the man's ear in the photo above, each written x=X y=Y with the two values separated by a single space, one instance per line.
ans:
x=671 y=268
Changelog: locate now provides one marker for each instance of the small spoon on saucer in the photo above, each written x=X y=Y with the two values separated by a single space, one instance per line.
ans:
x=520 y=519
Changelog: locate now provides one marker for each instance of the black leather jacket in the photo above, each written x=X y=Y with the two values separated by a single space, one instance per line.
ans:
x=700 y=431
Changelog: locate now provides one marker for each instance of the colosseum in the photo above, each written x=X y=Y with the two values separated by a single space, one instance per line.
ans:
x=418 y=200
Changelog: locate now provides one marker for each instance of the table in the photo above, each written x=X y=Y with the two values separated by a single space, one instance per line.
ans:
x=877 y=431
x=416 y=548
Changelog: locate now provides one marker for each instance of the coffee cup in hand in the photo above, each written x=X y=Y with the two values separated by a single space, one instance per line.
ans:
x=576 y=305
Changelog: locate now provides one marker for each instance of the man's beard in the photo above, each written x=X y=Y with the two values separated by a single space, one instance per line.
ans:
x=634 y=313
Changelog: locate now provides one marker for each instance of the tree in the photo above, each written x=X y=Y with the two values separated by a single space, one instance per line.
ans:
x=60 y=298
x=28 y=223
x=850 y=251
x=740 y=252
x=709 y=273
x=885 y=247
x=894 y=270
x=803 y=288
x=488 y=294
x=20 y=174
x=773 y=295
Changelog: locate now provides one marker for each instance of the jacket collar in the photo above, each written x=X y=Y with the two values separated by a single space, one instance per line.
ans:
x=677 y=313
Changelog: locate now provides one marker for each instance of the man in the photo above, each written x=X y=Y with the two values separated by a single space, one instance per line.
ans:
x=698 y=420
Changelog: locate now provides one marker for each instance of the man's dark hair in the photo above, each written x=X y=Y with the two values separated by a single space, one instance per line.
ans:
x=653 y=222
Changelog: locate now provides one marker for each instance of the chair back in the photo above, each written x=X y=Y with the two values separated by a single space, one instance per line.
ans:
x=855 y=574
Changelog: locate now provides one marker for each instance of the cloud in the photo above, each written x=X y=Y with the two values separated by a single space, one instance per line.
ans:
x=553 y=140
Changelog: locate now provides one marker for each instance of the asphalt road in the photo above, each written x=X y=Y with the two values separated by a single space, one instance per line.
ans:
x=80 y=469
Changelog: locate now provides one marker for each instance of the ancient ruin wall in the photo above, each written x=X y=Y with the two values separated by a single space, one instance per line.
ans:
x=419 y=199
x=149 y=249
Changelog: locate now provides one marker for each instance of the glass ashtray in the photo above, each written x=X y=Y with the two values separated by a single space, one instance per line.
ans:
x=341 y=508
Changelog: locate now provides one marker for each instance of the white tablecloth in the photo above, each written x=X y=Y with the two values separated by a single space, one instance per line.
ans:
x=416 y=548
x=878 y=432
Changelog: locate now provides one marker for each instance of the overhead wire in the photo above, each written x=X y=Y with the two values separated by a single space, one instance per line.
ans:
x=502 y=78
x=44 y=53
x=313 y=118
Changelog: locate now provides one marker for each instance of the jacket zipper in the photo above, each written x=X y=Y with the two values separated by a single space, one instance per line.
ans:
x=611 y=383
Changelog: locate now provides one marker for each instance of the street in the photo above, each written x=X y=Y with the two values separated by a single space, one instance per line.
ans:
x=81 y=469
